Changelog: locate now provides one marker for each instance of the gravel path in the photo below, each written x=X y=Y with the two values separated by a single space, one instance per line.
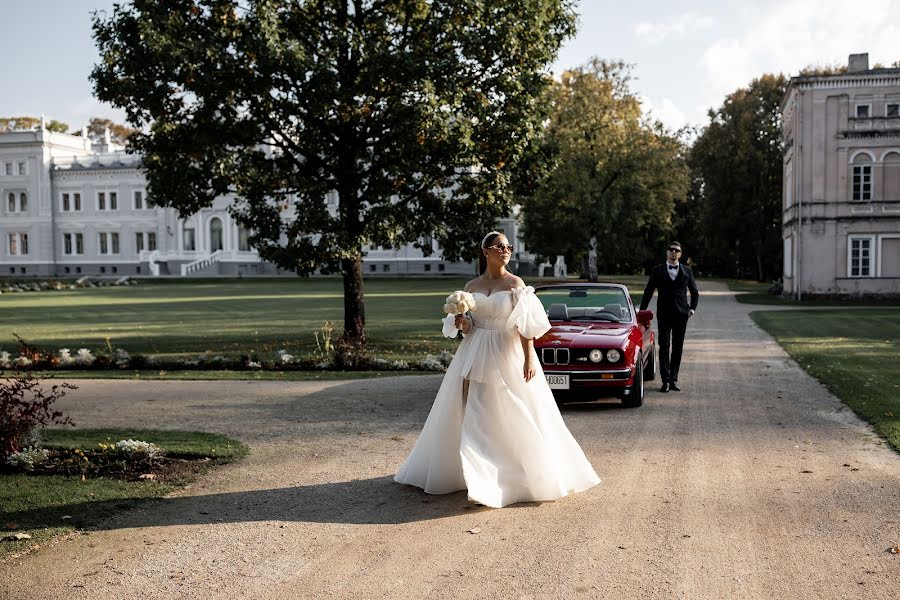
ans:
x=754 y=482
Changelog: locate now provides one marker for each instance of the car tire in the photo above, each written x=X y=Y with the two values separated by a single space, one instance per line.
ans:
x=636 y=396
x=650 y=371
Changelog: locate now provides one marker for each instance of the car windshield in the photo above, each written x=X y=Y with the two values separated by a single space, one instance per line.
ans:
x=585 y=304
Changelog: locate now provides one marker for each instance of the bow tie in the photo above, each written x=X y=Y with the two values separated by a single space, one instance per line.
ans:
x=673 y=267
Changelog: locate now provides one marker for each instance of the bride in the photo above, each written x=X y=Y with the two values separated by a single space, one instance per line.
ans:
x=494 y=428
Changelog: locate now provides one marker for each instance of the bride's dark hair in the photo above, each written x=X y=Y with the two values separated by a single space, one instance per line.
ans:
x=486 y=242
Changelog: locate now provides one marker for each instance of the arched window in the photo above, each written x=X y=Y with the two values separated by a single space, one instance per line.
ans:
x=891 y=176
x=861 y=181
x=215 y=234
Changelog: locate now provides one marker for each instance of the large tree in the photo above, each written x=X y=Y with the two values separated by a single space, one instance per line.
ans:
x=737 y=163
x=416 y=114
x=608 y=203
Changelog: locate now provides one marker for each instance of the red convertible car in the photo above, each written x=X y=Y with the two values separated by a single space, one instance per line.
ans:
x=598 y=345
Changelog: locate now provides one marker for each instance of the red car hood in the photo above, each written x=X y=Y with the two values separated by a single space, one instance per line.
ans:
x=586 y=334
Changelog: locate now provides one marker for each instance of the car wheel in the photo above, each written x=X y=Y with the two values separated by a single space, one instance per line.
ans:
x=635 y=396
x=650 y=371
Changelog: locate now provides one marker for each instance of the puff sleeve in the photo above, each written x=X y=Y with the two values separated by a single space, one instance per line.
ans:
x=528 y=315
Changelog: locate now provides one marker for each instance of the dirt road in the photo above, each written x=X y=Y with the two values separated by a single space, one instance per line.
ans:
x=753 y=482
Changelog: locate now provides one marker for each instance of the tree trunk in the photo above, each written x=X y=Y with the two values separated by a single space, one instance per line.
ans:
x=354 y=306
x=592 y=259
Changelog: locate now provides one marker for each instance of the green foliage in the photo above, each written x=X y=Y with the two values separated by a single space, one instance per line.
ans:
x=736 y=187
x=617 y=177
x=853 y=352
x=8 y=124
x=417 y=116
x=57 y=126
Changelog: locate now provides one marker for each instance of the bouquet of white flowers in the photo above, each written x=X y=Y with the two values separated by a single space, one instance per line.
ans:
x=459 y=303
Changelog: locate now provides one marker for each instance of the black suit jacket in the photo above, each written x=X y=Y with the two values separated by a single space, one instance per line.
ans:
x=672 y=302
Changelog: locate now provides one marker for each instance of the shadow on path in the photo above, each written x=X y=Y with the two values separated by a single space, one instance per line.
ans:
x=364 y=501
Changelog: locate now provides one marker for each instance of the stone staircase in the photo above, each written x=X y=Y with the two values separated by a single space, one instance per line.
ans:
x=201 y=264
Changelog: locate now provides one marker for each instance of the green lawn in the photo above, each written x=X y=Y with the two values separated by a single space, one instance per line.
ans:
x=231 y=317
x=755 y=292
x=182 y=318
x=202 y=375
x=44 y=506
x=855 y=353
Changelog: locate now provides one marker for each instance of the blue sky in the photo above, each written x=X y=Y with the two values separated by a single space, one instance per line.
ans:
x=686 y=55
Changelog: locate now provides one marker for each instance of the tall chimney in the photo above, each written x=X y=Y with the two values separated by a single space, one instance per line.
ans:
x=858 y=62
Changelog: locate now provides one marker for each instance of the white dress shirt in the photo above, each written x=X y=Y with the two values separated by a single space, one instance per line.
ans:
x=673 y=270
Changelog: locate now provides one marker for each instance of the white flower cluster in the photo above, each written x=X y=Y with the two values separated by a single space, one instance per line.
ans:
x=65 y=357
x=5 y=359
x=459 y=302
x=84 y=357
x=285 y=358
x=393 y=365
x=135 y=448
x=23 y=361
x=27 y=458
x=435 y=363
x=121 y=357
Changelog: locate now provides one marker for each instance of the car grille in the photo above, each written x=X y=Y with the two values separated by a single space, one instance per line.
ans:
x=555 y=356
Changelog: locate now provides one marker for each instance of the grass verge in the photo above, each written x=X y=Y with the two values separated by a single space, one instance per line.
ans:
x=46 y=506
x=854 y=353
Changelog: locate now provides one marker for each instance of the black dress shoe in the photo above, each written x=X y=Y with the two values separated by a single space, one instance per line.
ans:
x=674 y=387
x=664 y=388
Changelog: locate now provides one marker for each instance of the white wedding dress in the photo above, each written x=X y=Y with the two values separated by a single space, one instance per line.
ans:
x=507 y=441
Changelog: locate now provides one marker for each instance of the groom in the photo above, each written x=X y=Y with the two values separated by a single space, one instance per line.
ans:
x=673 y=280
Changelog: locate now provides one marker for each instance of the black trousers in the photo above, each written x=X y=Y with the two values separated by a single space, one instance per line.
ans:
x=671 y=339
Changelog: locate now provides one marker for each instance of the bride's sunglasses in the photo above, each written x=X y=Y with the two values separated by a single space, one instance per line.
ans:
x=502 y=247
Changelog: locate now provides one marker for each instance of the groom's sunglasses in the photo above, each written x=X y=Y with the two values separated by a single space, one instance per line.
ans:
x=674 y=249
x=501 y=247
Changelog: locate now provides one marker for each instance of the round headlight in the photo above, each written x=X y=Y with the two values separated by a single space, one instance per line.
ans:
x=613 y=355
x=595 y=355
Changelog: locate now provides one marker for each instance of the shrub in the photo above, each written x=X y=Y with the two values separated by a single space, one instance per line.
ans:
x=25 y=405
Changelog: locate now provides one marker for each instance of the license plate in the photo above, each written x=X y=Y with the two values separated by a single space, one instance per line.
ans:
x=557 y=382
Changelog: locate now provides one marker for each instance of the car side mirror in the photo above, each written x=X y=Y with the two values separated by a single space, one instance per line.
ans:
x=645 y=317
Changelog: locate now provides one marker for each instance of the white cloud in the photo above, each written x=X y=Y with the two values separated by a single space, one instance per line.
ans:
x=684 y=24
x=784 y=36
x=664 y=111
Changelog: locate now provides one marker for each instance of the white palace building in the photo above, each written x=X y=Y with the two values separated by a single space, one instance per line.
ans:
x=70 y=207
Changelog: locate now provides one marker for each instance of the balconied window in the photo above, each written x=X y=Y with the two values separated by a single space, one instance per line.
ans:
x=892 y=110
x=863 y=111
x=861 y=184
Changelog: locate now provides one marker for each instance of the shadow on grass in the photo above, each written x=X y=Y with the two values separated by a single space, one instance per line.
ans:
x=364 y=501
